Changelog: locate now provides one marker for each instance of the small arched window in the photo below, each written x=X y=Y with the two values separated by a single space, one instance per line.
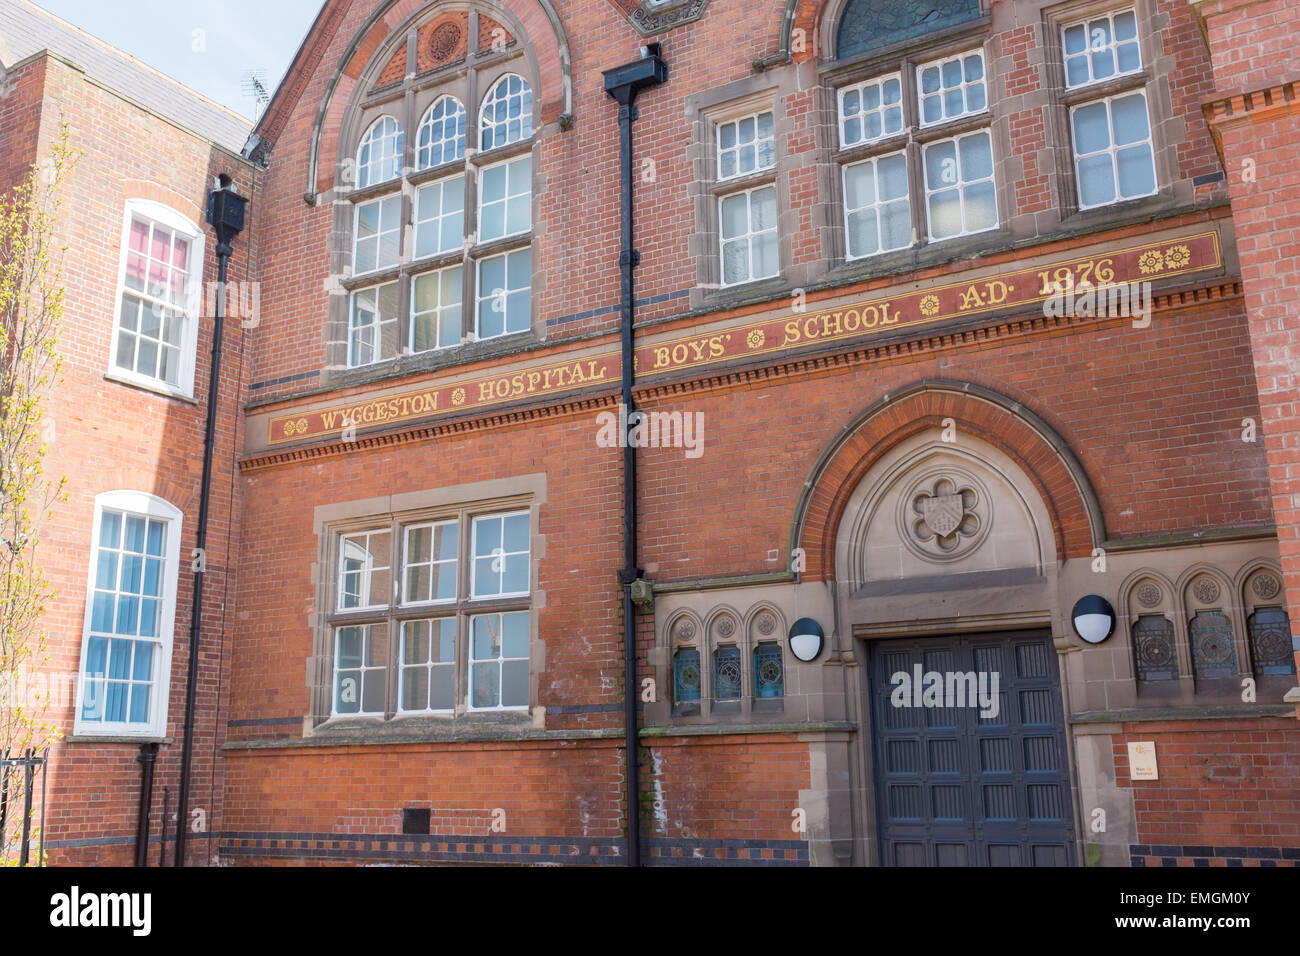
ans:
x=379 y=157
x=441 y=137
x=507 y=113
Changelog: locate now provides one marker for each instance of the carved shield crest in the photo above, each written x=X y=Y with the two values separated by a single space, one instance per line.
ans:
x=943 y=513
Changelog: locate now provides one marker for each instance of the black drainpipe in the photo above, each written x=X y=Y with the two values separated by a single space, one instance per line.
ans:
x=623 y=83
x=226 y=216
x=148 y=754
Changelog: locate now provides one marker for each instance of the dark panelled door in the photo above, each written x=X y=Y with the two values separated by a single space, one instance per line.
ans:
x=954 y=788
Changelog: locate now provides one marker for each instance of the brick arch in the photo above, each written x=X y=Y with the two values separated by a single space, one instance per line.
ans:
x=1057 y=474
x=534 y=22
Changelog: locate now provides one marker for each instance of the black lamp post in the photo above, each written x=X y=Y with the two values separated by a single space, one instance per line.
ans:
x=226 y=216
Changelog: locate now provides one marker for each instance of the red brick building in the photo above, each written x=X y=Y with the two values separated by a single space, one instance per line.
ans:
x=126 y=423
x=886 y=398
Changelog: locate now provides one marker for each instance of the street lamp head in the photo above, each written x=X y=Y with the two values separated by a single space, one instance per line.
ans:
x=226 y=212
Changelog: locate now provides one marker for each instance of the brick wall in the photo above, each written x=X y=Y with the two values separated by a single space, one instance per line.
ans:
x=109 y=436
x=1256 y=114
x=1228 y=793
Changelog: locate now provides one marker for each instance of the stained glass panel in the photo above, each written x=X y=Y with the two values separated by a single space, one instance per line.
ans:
x=726 y=673
x=686 y=676
x=769 y=671
x=873 y=24
x=1270 y=641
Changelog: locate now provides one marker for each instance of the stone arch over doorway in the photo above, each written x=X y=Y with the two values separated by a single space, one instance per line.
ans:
x=940 y=519
x=925 y=408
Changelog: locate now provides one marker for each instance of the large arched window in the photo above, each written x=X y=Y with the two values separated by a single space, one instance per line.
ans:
x=441 y=235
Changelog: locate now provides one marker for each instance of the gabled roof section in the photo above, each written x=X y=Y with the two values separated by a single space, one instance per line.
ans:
x=310 y=52
x=27 y=30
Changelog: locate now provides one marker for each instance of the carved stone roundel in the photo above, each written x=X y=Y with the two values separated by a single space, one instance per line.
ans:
x=766 y=623
x=945 y=515
x=726 y=625
x=1206 y=590
x=1149 y=595
x=1266 y=586
x=685 y=629
x=443 y=42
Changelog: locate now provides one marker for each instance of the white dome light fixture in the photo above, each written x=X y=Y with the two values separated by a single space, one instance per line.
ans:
x=1093 y=618
x=806 y=639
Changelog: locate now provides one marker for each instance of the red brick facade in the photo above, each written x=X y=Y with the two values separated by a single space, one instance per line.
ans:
x=1119 y=443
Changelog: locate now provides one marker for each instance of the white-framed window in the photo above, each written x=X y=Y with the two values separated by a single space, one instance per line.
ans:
x=126 y=645
x=439 y=217
x=441 y=135
x=896 y=198
x=748 y=235
x=365 y=574
x=372 y=325
x=505 y=199
x=1114 y=159
x=420 y=623
x=871 y=110
x=360 y=669
x=746 y=145
x=435 y=309
x=1100 y=48
x=159 y=299
x=430 y=557
x=378 y=233
x=952 y=88
x=504 y=294
x=507 y=112
x=877 y=209
x=501 y=555
x=960 y=195
x=379 y=157
x=499 y=661
x=428 y=666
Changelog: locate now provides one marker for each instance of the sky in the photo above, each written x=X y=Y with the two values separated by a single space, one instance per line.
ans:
x=209 y=45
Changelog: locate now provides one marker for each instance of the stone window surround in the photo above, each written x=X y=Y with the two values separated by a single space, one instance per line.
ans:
x=480 y=497
x=747 y=97
x=1167 y=133
x=469 y=80
x=911 y=141
x=707 y=637
x=1167 y=130
x=1179 y=605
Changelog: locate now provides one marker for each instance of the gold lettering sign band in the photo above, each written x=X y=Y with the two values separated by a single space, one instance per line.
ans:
x=796 y=330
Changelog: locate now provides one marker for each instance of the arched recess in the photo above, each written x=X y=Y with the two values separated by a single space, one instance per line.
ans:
x=1029 y=442
x=374 y=43
x=1152 y=631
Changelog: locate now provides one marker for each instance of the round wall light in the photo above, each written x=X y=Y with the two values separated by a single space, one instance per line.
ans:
x=1093 y=618
x=806 y=639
